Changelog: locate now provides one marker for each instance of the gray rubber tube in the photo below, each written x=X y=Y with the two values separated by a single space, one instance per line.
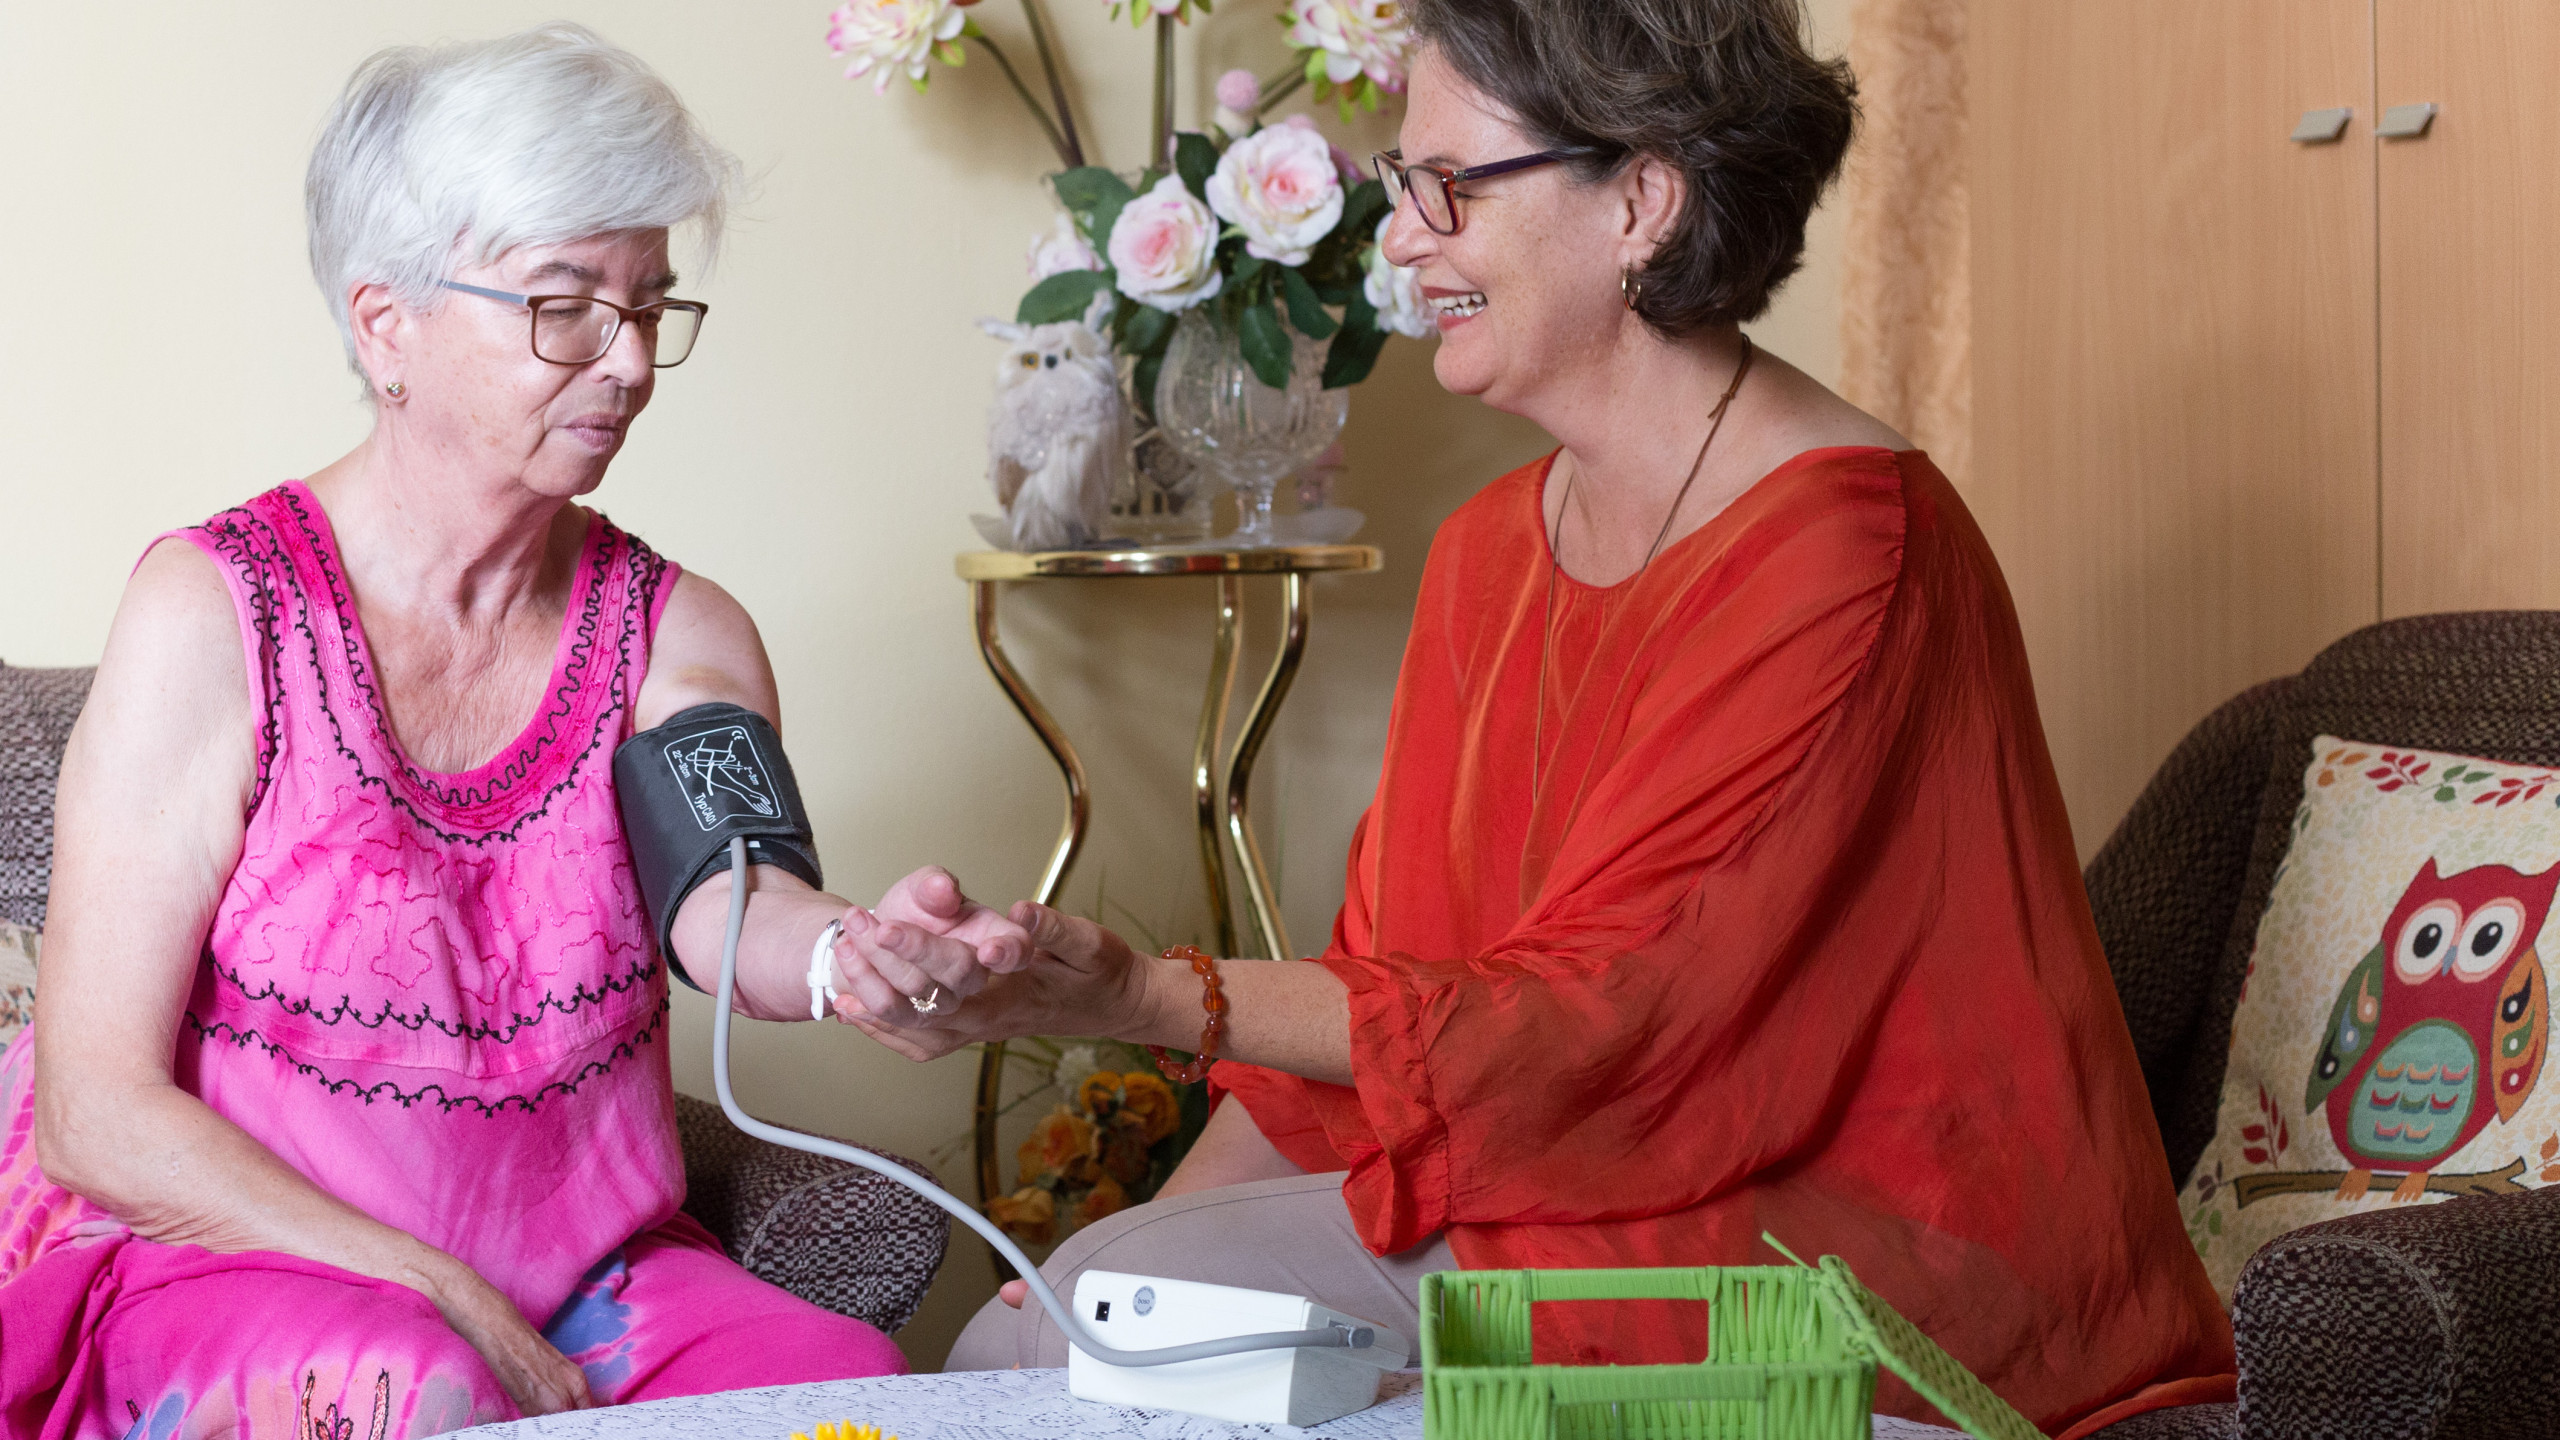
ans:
x=1331 y=1337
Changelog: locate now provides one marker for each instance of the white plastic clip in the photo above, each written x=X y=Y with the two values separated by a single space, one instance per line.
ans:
x=822 y=971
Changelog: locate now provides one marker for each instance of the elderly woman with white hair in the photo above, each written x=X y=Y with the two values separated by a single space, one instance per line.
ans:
x=348 y=1088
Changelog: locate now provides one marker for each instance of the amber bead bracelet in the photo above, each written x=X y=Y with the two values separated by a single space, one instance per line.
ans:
x=1212 y=1034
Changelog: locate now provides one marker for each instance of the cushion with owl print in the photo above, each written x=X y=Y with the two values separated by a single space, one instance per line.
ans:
x=17 y=979
x=2389 y=1044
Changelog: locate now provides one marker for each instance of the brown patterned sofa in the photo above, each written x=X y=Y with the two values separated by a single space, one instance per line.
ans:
x=2434 y=1320
x=833 y=1234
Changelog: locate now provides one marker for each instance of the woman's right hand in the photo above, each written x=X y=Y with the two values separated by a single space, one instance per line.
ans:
x=540 y=1379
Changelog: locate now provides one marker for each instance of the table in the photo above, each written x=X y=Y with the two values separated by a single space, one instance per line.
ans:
x=978 y=1405
x=1212 y=783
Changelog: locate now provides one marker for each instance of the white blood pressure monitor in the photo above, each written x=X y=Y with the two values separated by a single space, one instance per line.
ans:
x=1299 y=1386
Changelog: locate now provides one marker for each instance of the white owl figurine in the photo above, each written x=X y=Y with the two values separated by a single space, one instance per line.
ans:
x=1058 y=433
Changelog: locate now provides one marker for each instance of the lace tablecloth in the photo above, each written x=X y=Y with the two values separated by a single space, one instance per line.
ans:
x=977 y=1405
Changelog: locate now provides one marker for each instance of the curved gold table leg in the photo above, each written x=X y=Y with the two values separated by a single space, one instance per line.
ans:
x=1061 y=859
x=1257 y=728
x=1204 y=760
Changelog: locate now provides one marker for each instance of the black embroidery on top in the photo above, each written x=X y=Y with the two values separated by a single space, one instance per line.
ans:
x=226 y=1033
x=344 y=1012
x=646 y=571
x=249 y=546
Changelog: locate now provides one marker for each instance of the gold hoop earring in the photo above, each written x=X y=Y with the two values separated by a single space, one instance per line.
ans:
x=1630 y=287
x=395 y=389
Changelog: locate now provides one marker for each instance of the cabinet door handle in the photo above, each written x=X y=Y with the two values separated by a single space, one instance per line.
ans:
x=2320 y=127
x=2406 y=122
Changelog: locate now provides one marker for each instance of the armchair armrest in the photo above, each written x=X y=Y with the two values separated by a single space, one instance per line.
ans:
x=2430 y=1320
x=835 y=1235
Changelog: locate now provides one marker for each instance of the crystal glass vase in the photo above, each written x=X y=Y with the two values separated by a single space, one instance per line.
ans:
x=1220 y=416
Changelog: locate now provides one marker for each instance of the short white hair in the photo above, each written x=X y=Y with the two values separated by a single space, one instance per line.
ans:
x=458 y=153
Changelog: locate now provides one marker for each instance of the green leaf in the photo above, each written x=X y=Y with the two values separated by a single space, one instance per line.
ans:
x=1355 y=350
x=1362 y=209
x=1315 y=60
x=1194 y=159
x=1095 y=197
x=1266 y=345
x=1306 y=311
x=1062 y=296
x=2444 y=793
x=1146 y=332
x=951 y=54
x=1244 y=273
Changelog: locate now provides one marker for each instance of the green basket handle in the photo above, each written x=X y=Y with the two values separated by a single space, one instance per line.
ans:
x=1617 y=1285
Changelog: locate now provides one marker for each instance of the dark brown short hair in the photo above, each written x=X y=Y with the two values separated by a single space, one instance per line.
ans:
x=1724 y=90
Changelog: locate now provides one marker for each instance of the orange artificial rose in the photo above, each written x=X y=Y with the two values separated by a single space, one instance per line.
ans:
x=1029 y=1215
x=1106 y=1198
x=1058 y=1141
x=1099 y=1094
x=1152 y=1101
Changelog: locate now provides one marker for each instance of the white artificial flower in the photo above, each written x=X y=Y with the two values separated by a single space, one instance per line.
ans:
x=1165 y=248
x=1060 y=248
x=1395 y=291
x=886 y=37
x=1358 y=37
x=1279 y=186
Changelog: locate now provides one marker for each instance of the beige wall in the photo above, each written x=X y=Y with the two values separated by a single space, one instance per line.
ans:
x=163 y=355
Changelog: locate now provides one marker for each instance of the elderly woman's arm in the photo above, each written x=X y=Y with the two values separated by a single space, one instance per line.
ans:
x=706 y=650
x=154 y=789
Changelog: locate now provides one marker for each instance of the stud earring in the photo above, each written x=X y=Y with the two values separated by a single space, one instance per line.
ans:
x=395 y=389
x=1630 y=287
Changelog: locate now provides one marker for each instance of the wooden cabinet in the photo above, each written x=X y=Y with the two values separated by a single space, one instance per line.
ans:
x=2236 y=395
x=2470 y=306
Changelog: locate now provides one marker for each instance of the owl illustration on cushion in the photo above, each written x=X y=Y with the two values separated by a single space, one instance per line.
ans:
x=2441 y=1025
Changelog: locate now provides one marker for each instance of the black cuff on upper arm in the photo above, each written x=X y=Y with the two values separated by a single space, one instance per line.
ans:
x=712 y=773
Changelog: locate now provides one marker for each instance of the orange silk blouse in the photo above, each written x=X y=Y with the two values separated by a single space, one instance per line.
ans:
x=1789 y=936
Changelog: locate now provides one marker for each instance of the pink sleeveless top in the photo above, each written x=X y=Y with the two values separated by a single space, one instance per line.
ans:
x=435 y=995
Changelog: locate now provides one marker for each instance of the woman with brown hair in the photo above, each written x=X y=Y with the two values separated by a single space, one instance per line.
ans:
x=1717 y=881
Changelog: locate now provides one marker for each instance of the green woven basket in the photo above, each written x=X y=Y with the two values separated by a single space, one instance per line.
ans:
x=1791 y=1355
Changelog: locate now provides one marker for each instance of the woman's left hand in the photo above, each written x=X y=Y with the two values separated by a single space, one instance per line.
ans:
x=1076 y=978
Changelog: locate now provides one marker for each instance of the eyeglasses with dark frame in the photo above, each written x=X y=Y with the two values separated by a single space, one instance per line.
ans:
x=1436 y=200
x=579 y=329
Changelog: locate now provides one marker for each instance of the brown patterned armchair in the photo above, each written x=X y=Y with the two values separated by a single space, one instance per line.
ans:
x=2434 y=1320
x=835 y=1235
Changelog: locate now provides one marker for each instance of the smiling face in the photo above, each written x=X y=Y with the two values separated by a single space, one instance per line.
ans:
x=1527 y=291
x=477 y=397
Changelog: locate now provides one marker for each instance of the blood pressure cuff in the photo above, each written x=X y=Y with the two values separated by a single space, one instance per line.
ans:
x=688 y=787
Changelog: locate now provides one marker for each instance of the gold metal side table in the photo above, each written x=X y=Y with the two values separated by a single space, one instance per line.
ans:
x=1214 y=786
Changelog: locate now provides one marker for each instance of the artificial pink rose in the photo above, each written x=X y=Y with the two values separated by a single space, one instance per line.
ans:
x=1164 y=246
x=1279 y=186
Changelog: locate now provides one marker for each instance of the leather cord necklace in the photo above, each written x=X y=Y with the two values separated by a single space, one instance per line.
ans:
x=1555 y=562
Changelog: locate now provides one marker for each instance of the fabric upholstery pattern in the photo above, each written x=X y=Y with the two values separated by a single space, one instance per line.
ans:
x=36 y=711
x=2486 y=684
x=2181 y=1422
x=2429 y=1321
x=19 y=947
x=2163 y=890
x=2483 y=683
x=837 y=1236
